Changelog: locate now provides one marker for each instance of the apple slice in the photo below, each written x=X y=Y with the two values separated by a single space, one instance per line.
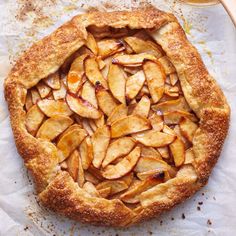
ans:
x=167 y=65
x=70 y=140
x=108 y=47
x=187 y=128
x=43 y=89
x=153 y=138
x=116 y=81
x=87 y=127
x=92 y=125
x=189 y=156
x=144 y=175
x=187 y=143
x=118 y=148
x=172 y=105
x=144 y=91
x=164 y=151
x=105 y=192
x=131 y=196
x=132 y=70
x=123 y=167
x=35 y=95
x=96 y=172
x=149 y=163
x=73 y=165
x=81 y=107
x=53 y=81
x=33 y=120
x=174 y=117
x=155 y=77
x=53 y=108
x=28 y=101
x=100 y=121
x=178 y=151
x=86 y=152
x=172 y=91
x=54 y=126
x=129 y=125
x=88 y=94
x=105 y=100
x=101 y=63
x=93 y=73
x=133 y=60
x=90 y=188
x=91 y=178
x=150 y=152
x=92 y=44
x=119 y=112
x=115 y=185
x=134 y=84
x=100 y=141
x=60 y=93
x=173 y=79
x=143 y=107
x=76 y=73
x=168 y=130
x=140 y=46
x=156 y=122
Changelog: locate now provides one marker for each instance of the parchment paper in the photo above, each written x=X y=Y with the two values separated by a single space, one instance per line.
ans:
x=212 y=211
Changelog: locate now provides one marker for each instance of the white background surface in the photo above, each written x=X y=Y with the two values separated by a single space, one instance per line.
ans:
x=212 y=32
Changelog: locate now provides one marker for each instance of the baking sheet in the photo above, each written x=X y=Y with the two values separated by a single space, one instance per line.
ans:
x=212 y=211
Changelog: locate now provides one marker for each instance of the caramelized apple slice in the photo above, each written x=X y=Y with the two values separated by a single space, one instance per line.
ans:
x=119 y=112
x=172 y=105
x=105 y=192
x=168 y=130
x=53 y=81
x=28 y=101
x=43 y=89
x=54 y=126
x=150 y=152
x=88 y=94
x=153 y=138
x=82 y=107
x=87 y=127
x=92 y=44
x=178 y=151
x=189 y=156
x=90 y=188
x=134 y=84
x=131 y=195
x=155 y=77
x=124 y=166
x=173 y=79
x=101 y=63
x=53 y=108
x=100 y=141
x=105 y=100
x=167 y=65
x=118 y=148
x=86 y=152
x=133 y=60
x=156 y=122
x=187 y=128
x=93 y=73
x=143 y=107
x=92 y=124
x=164 y=151
x=187 y=143
x=115 y=185
x=128 y=125
x=73 y=165
x=91 y=178
x=34 y=118
x=75 y=74
x=35 y=95
x=59 y=93
x=139 y=46
x=108 y=47
x=144 y=175
x=174 y=117
x=100 y=121
x=70 y=140
x=116 y=82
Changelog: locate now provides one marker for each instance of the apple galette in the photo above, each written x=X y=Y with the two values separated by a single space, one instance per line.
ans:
x=116 y=116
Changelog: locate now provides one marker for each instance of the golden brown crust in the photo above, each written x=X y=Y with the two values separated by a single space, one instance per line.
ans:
x=57 y=189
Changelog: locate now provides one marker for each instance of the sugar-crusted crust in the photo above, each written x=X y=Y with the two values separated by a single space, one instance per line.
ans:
x=56 y=188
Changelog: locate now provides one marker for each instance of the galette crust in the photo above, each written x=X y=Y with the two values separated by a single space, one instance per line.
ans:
x=56 y=188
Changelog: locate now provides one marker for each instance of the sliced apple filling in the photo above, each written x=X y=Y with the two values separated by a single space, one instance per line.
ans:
x=117 y=114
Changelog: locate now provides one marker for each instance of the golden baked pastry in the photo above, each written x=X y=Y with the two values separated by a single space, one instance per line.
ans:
x=116 y=116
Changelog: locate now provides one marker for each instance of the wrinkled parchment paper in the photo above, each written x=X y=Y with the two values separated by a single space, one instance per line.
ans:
x=212 y=211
